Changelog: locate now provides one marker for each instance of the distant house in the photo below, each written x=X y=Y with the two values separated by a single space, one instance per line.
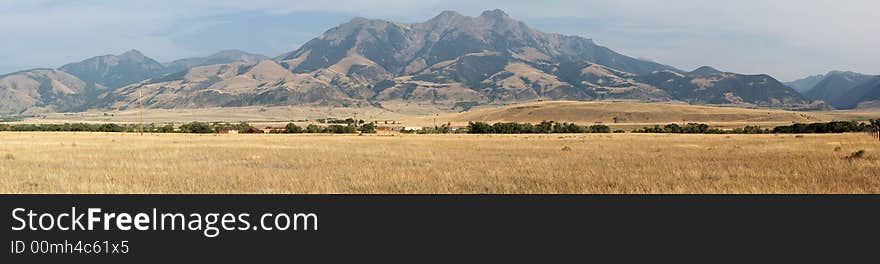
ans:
x=228 y=131
x=412 y=128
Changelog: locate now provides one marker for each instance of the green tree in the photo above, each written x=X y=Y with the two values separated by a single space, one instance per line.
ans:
x=292 y=128
x=312 y=128
x=368 y=128
x=196 y=128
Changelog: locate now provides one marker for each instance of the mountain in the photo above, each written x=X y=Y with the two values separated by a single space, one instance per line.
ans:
x=703 y=71
x=450 y=59
x=236 y=84
x=871 y=90
x=709 y=86
x=222 y=57
x=806 y=84
x=405 y=49
x=39 y=91
x=447 y=60
x=838 y=89
x=108 y=72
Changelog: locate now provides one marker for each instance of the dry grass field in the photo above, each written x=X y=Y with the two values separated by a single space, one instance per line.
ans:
x=591 y=163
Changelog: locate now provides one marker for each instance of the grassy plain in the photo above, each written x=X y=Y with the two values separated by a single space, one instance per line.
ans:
x=630 y=115
x=592 y=163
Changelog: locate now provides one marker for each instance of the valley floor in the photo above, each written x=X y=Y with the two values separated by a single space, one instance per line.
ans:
x=590 y=163
x=628 y=115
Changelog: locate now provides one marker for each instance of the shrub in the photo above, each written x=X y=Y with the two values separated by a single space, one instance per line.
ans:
x=292 y=128
x=312 y=128
x=368 y=128
x=196 y=128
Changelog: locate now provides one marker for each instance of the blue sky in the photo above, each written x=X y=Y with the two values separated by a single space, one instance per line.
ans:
x=786 y=38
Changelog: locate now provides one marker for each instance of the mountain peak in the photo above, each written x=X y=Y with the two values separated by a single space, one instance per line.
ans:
x=845 y=73
x=705 y=70
x=360 y=20
x=448 y=14
x=132 y=53
x=495 y=14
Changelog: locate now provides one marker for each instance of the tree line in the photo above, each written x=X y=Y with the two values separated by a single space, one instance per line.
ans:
x=545 y=127
x=188 y=128
x=798 y=128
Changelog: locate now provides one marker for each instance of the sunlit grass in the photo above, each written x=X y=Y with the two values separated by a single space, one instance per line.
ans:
x=590 y=163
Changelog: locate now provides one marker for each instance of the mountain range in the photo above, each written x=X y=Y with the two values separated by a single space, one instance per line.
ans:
x=841 y=89
x=447 y=60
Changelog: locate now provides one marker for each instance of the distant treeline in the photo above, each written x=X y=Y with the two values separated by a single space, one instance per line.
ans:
x=290 y=128
x=190 y=128
x=78 y=127
x=544 y=127
x=830 y=127
x=818 y=128
x=690 y=128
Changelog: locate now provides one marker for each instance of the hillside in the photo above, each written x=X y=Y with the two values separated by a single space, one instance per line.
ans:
x=40 y=91
x=451 y=60
x=871 y=89
x=108 y=72
x=629 y=113
x=843 y=90
x=222 y=57
x=806 y=84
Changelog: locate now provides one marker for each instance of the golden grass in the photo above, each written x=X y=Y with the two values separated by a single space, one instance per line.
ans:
x=594 y=163
x=637 y=114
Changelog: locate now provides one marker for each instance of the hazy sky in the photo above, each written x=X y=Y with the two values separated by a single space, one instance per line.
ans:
x=786 y=38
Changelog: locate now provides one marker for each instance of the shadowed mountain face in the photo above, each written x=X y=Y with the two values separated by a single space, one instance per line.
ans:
x=839 y=89
x=446 y=60
x=806 y=84
x=871 y=90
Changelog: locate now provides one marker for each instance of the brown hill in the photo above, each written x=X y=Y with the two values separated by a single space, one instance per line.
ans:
x=629 y=113
x=39 y=91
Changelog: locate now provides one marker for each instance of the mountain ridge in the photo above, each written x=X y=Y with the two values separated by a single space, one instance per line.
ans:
x=446 y=60
x=840 y=89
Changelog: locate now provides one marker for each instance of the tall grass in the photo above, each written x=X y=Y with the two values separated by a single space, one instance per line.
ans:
x=558 y=163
